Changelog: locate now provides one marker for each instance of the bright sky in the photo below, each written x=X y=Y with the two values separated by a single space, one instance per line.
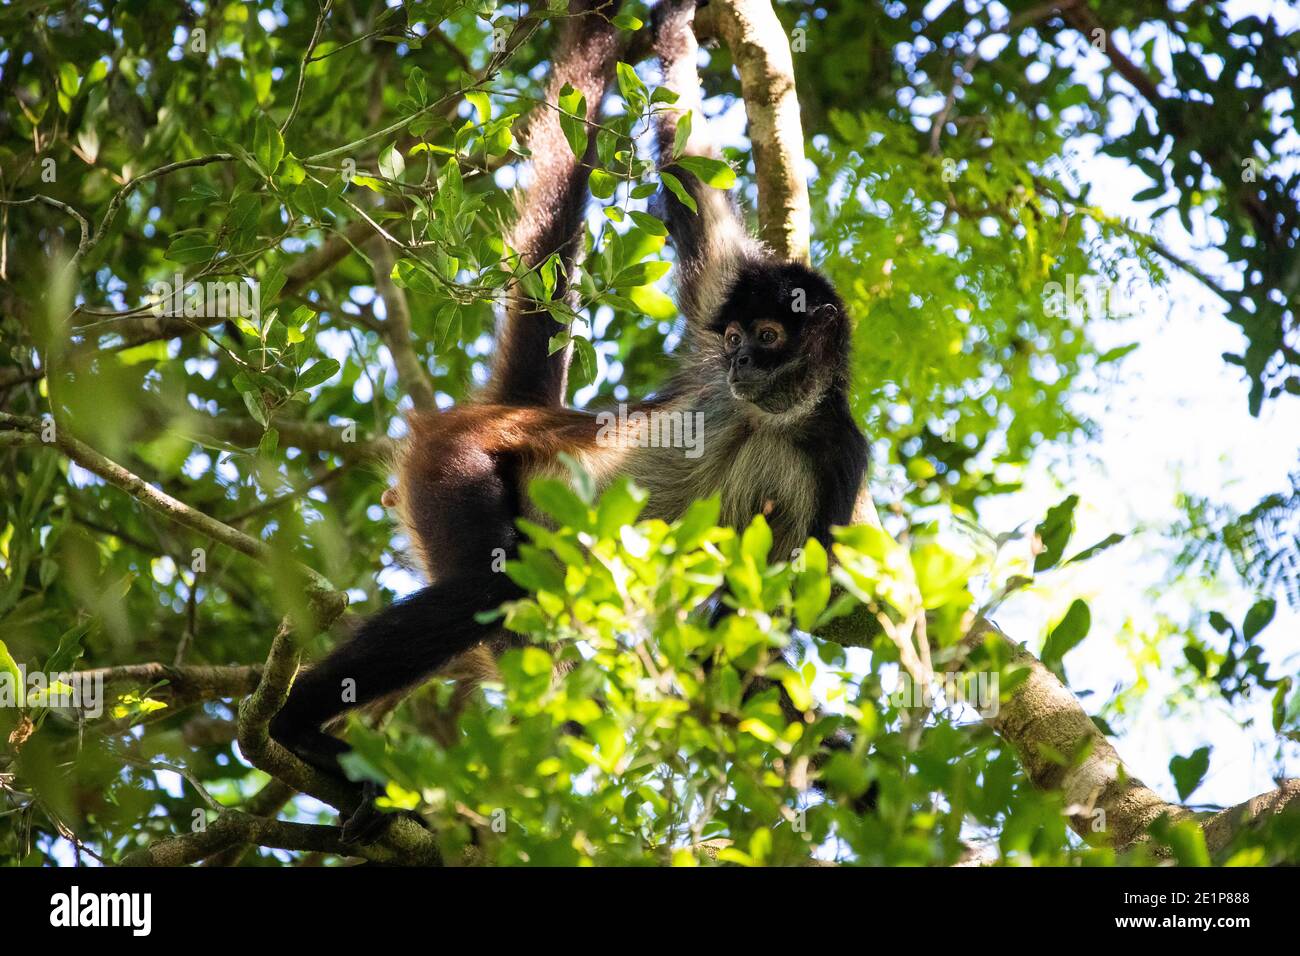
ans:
x=1176 y=421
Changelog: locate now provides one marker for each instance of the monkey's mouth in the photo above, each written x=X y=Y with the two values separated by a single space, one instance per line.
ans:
x=762 y=396
x=747 y=388
x=770 y=392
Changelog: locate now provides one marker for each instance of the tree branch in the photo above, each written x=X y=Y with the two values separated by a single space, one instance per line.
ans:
x=759 y=47
x=404 y=841
x=234 y=827
x=148 y=327
x=397 y=332
x=267 y=802
x=322 y=593
x=309 y=436
x=188 y=684
x=1226 y=824
x=84 y=243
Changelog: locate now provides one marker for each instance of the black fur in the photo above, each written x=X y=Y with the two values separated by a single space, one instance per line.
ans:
x=394 y=650
x=525 y=371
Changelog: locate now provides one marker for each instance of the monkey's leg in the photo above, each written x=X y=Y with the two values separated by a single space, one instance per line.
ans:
x=395 y=649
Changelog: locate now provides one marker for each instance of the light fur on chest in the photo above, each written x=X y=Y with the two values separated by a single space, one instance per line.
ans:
x=754 y=464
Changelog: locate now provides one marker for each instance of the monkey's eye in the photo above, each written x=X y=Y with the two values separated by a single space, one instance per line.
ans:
x=733 y=340
x=767 y=337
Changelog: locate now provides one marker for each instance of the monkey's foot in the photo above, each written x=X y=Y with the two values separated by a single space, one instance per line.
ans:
x=368 y=822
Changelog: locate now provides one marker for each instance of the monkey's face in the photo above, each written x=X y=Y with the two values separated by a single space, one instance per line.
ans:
x=782 y=330
x=762 y=363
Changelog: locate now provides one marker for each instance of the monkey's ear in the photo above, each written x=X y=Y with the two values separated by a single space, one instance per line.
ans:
x=826 y=312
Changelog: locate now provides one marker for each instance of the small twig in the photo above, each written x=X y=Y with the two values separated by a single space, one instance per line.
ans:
x=160 y=501
x=302 y=69
x=120 y=196
x=83 y=245
x=397 y=333
x=293 y=494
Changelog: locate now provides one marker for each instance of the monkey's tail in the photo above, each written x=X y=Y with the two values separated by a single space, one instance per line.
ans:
x=554 y=207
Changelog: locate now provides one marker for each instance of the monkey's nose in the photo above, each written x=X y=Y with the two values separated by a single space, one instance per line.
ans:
x=742 y=361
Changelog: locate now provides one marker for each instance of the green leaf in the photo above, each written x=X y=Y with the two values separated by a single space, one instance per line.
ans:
x=190 y=248
x=798 y=689
x=1067 y=635
x=618 y=507
x=1188 y=772
x=1117 y=353
x=320 y=372
x=700 y=517
x=270 y=284
x=9 y=666
x=268 y=144
x=559 y=501
x=756 y=542
x=682 y=136
x=652 y=302
x=256 y=407
x=573 y=115
x=241 y=221
x=417 y=86
x=812 y=586
x=674 y=186
x=1258 y=618
x=69 y=650
x=630 y=86
x=414 y=275
x=482 y=104
x=711 y=172
x=642 y=273
x=602 y=184
x=1221 y=623
x=1187 y=841
x=651 y=224
x=1107 y=542
x=1054 y=533
x=1280 y=707
x=940 y=574
x=580 y=480
x=69 y=79
x=311 y=199
x=391 y=163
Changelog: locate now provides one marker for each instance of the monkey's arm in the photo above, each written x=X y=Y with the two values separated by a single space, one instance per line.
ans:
x=553 y=209
x=712 y=242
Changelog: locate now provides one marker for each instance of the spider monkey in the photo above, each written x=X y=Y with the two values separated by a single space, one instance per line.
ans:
x=764 y=359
